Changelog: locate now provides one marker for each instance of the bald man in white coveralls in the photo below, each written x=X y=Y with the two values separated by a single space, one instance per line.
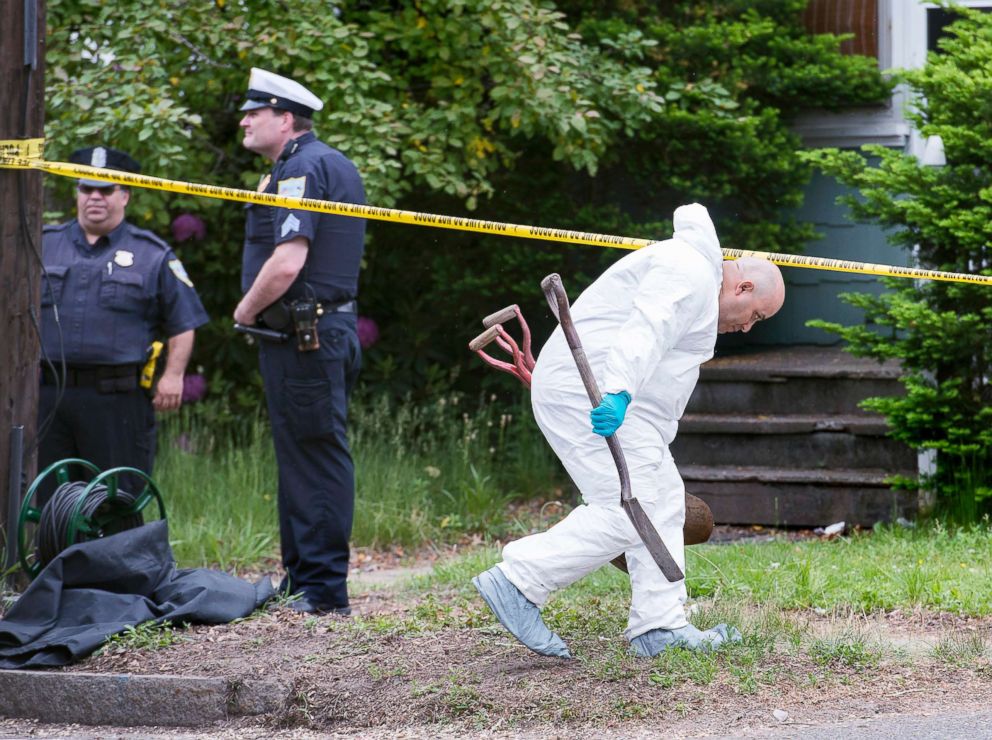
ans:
x=646 y=325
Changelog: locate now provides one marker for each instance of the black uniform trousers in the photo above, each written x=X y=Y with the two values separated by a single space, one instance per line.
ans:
x=110 y=430
x=307 y=395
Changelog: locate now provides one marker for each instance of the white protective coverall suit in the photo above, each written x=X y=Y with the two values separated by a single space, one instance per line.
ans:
x=646 y=325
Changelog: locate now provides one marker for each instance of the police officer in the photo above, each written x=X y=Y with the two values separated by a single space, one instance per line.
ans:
x=300 y=272
x=108 y=290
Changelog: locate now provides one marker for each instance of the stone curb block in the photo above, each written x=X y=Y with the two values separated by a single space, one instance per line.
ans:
x=126 y=700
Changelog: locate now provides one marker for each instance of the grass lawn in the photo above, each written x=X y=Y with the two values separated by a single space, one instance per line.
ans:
x=436 y=473
x=425 y=474
x=887 y=569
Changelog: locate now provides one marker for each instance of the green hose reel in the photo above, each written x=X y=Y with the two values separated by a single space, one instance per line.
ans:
x=97 y=510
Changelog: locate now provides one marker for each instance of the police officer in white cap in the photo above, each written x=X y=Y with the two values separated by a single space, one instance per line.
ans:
x=109 y=289
x=300 y=277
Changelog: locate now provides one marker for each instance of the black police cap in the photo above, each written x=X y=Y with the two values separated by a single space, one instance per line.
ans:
x=105 y=157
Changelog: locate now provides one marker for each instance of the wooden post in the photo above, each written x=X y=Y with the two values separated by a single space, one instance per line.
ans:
x=22 y=116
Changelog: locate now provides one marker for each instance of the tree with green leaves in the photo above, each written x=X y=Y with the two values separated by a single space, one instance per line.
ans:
x=427 y=98
x=732 y=76
x=940 y=332
x=594 y=115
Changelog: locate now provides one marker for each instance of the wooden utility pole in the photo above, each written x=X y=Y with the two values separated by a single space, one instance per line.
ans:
x=22 y=116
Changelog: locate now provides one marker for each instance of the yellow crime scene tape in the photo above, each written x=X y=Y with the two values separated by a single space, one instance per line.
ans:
x=23 y=160
x=22 y=148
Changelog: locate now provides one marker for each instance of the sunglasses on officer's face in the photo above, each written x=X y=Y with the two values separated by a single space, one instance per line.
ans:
x=105 y=190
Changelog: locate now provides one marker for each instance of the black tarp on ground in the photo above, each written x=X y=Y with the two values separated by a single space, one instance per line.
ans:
x=95 y=589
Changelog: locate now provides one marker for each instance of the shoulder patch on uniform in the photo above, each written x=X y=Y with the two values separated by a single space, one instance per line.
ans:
x=293 y=187
x=292 y=223
x=180 y=272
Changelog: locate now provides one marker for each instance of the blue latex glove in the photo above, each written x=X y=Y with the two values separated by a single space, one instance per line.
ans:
x=608 y=416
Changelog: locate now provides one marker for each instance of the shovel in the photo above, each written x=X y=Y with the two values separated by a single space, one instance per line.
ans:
x=557 y=298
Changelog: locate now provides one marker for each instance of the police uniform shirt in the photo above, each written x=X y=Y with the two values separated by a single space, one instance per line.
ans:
x=113 y=297
x=309 y=168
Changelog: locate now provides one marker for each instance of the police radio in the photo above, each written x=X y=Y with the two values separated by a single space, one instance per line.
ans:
x=305 y=315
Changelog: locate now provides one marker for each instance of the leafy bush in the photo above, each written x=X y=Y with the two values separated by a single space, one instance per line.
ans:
x=941 y=332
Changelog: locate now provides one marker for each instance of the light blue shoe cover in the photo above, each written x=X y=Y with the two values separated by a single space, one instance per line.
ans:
x=654 y=641
x=515 y=612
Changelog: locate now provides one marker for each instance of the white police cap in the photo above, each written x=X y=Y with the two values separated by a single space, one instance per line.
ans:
x=269 y=90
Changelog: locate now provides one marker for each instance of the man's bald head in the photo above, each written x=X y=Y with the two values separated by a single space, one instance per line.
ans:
x=753 y=290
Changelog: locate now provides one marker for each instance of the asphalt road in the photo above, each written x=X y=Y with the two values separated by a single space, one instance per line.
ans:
x=905 y=727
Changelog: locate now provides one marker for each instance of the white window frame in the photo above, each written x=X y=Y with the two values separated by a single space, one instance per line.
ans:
x=902 y=44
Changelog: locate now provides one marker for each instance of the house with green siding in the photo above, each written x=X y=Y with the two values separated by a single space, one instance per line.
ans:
x=774 y=434
x=899 y=33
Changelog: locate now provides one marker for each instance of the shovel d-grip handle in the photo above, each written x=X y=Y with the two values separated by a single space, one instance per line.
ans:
x=523 y=361
x=501 y=316
x=498 y=335
x=513 y=312
x=557 y=299
x=483 y=340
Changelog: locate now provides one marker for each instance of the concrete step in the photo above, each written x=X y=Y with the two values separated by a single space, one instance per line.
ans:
x=864 y=477
x=797 y=497
x=800 y=441
x=775 y=394
x=799 y=380
x=860 y=424
x=798 y=362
